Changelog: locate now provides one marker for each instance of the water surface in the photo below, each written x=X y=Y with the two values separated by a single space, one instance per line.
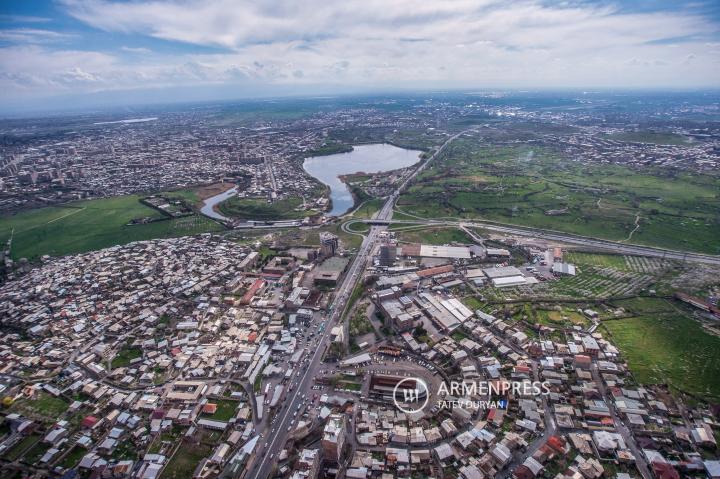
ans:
x=363 y=158
x=208 y=204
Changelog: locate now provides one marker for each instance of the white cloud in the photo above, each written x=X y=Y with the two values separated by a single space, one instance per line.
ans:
x=140 y=50
x=23 y=19
x=365 y=43
x=33 y=35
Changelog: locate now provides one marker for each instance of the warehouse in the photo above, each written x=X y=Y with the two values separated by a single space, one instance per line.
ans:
x=433 y=251
x=509 y=281
x=563 y=269
x=503 y=272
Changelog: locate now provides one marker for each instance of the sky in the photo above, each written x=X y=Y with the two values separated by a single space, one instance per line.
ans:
x=80 y=52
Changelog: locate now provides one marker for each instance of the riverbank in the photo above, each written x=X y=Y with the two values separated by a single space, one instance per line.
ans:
x=331 y=170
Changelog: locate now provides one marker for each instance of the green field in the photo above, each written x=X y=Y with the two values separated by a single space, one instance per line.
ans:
x=537 y=188
x=310 y=236
x=73 y=457
x=18 y=449
x=596 y=259
x=649 y=137
x=124 y=356
x=44 y=405
x=91 y=225
x=185 y=460
x=434 y=236
x=225 y=411
x=666 y=346
x=259 y=209
x=369 y=208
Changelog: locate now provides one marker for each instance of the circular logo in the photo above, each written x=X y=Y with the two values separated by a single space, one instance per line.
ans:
x=413 y=399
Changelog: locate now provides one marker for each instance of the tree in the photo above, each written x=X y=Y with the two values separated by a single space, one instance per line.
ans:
x=419 y=331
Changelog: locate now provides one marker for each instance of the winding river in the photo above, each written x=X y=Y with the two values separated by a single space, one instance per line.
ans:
x=208 y=204
x=364 y=158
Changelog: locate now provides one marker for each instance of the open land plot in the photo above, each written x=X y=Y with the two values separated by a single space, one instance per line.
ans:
x=669 y=348
x=537 y=188
x=646 y=305
x=72 y=458
x=226 y=409
x=655 y=138
x=259 y=209
x=185 y=460
x=91 y=225
x=358 y=227
x=43 y=405
x=18 y=449
x=591 y=282
x=124 y=356
x=369 y=208
x=435 y=236
x=33 y=455
x=557 y=316
x=311 y=236
x=596 y=259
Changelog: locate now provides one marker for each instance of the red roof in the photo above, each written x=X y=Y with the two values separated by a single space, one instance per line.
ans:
x=247 y=297
x=209 y=408
x=663 y=470
x=89 y=421
x=556 y=443
x=436 y=270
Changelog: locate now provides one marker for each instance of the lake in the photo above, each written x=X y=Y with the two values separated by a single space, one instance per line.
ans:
x=364 y=158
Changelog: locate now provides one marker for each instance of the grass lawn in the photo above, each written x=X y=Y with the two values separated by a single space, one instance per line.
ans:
x=91 y=225
x=596 y=259
x=259 y=209
x=311 y=236
x=566 y=317
x=185 y=460
x=36 y=453
x=349 y=385
x=434 y=236
x=359 y=227
x=538 y=188
x=645 y=306
x=18 y=449
x=359 y=323
x=458 y=335
x=226 y=410
x=669 y=348
x=44 y=405
x=649 y=137
x=472 y=302
x=369 y=208
x=124 y=356
x=73 y=457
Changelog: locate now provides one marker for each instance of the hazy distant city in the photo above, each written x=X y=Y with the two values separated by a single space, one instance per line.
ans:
x=358 y=277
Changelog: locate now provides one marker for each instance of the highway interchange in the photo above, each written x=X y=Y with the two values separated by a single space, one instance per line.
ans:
x=302 y=380
x=275 y=434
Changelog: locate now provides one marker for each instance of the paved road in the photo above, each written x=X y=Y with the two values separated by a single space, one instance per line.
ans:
x=612 y=246
x=301 y=384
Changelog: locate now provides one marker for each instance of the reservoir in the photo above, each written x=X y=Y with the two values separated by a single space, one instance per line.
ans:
x=363 y=158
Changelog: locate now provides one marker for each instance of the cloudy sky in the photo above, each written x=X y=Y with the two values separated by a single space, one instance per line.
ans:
x=72 y=49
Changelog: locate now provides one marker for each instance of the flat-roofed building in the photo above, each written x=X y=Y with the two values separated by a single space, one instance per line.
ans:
x=333 y=438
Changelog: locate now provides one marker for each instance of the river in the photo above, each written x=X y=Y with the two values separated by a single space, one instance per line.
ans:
x=208 y=204
x=364 y=158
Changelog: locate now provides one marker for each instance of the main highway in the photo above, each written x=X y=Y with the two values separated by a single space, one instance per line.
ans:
x=551 y=235
x=276 y=434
